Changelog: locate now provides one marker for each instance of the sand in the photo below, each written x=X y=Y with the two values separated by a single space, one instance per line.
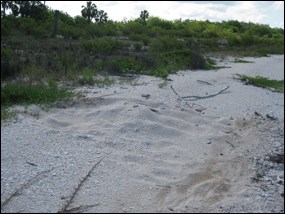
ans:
x=139 y=147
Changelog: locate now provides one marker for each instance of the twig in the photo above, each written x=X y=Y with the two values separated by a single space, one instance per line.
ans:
x=181 y=98
x=175 y=91
x=31 y=163
x=22 y=187
x=203 y=97
x=230 y=144
x=80 y=209
x=201 y=81
x=64 y=209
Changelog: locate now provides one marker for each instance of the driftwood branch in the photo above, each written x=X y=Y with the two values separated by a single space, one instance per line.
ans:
x=23 y=186
x=204 y=97
x=64 y=209
x=193 y=104
x=201 y=81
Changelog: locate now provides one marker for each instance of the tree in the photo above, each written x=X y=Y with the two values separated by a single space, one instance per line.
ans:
x=89 y=11
x=33 y=9
x=102 y=17
x=144 y=16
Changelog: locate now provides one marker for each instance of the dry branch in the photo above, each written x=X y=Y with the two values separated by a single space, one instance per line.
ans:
x=24 y=185
x=201 y=81
x=193 y=104
x=64 y=209
x=203 y=97
x=230 y=144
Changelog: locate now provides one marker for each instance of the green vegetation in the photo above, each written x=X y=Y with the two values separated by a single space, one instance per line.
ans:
x=24 y=93
x=37 y=44
x=18 y=93
x=273 y=85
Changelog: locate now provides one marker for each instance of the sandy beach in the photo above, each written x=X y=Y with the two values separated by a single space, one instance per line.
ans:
x=150 y=145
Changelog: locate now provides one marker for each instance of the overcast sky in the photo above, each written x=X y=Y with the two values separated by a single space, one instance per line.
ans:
x=263 y=12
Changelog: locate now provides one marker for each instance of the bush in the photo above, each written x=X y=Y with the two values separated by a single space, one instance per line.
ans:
x=167 y=43
x=159 y=72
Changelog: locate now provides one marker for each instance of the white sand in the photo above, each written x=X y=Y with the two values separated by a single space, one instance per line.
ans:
x=159 y=155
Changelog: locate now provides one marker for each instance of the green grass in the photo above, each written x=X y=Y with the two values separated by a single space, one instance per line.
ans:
x=25 y=94
x=21 y=93
x=273 y=85
x=88 y=78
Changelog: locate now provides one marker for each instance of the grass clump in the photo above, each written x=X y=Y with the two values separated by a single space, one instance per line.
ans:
x=87 y=77
x=25 y=93
x=22 y=93
x=273 y=85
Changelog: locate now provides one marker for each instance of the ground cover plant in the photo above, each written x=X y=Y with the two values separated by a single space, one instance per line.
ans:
x=273 y=85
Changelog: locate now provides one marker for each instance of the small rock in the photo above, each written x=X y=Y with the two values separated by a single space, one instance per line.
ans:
x=146 y=95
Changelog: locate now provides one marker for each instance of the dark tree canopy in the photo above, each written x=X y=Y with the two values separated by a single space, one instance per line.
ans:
x=89 y=11
x=144 y=16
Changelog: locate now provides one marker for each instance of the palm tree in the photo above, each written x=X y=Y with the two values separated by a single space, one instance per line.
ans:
x=102 y=17
x=90 y=11
x=144 y=16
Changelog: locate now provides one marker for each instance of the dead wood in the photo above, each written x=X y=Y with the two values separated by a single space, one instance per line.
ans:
x=204 y=97
x=201 y=81
x=23 y=186
x=192 y=104
x=64 y=209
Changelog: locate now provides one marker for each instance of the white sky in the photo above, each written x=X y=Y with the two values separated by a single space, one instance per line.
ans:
x=262 y=12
